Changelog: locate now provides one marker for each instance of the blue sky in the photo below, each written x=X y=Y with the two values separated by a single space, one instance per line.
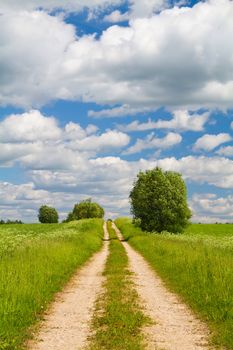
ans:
x=92 y=92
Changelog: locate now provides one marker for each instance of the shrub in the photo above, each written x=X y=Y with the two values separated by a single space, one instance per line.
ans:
x=86 y=210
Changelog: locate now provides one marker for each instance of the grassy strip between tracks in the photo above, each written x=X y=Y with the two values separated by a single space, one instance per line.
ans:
x=118 y=318
x=199 y=271
x=33 y=270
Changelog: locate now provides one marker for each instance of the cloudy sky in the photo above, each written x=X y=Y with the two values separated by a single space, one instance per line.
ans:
x=92 y=91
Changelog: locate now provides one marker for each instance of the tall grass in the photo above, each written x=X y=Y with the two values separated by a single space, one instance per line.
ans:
x=198 y=270
x=118 y=319
x=35 y=263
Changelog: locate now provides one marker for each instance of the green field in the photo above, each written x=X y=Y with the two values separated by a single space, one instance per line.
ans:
x=197 y=265
x=35 y=262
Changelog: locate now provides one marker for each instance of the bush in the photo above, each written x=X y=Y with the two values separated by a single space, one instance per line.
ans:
x=158 y=201
x=48 y=215
x=86 y=210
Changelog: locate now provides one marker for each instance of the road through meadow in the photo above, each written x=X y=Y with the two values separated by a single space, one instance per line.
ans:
x=68 y=323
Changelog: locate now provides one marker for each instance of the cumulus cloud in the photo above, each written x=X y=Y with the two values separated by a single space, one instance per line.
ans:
x=209 y=142
x=122 y=111
x=225 y=151
x=37 y=142
x=137 y=8
x=67 y=5
x=210 y=208
x=32 y=47
x=153 y=142
x=116 y=17
x=147 y=7
x=181 y=121
x=135 y=65
x=105 y=142
x=29 y=126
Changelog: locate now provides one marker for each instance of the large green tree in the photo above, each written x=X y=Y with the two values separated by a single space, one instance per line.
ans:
x=85 y=210
x=159 y=200
x=48 y=215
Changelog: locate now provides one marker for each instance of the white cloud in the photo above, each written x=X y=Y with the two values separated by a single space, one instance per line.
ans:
x=210 y=208
x=38 y=142
x=152 y=142
x=67 y=5
x=107 y=141
x=147 y=7
x=121 y=111
x=137 y=65
x=182 y=121
x=215 y=171
x=32 y=48
x=137 y=8
x=116 y=17
x=225 y=151
x=29 y=126
x=209 y=142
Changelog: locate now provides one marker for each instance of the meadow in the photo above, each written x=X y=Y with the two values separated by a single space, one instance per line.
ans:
x=35 y=262
x=198 y=266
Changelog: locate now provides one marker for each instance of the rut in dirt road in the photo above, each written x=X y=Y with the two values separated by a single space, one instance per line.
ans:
x=174 y=326
x=67 y=323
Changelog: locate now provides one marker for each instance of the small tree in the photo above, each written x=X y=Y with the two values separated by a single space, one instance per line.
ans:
x=159 y=200
x=48 y=215
x=85 y=210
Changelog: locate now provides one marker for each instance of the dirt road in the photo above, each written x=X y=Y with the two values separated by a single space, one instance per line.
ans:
x=67 y=323
x=174 y=326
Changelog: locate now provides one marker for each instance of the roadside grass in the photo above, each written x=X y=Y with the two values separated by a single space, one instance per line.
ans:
x=118 y=318
x=35 y=262
x=195 y=265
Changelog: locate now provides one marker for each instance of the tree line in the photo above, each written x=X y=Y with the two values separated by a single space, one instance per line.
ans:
x=8 y=222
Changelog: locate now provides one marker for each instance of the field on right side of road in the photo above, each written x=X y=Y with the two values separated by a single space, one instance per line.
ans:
x=198 y=266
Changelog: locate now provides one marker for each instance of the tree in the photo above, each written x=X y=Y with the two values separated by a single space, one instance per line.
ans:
x=86 y=209
x=47 y=215
x=159 y=200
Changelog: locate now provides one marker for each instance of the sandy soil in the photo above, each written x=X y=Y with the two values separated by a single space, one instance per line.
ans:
x=67 y=323
x=174 y=326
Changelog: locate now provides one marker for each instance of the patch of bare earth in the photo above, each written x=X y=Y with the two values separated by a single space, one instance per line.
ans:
x=68 y=322
x=174 y=326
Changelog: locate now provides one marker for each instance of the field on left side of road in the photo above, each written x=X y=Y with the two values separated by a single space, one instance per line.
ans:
x=36 y=261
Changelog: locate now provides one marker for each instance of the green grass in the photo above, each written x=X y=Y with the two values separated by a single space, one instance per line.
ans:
x=35 y=262
x=118 y=318
x=197 y=265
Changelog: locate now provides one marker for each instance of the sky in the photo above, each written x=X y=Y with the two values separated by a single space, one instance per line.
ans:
x=94 y=91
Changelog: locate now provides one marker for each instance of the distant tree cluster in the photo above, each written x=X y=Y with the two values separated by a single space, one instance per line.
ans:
x=8 y=222
x=159 y=201
x=84 y=210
